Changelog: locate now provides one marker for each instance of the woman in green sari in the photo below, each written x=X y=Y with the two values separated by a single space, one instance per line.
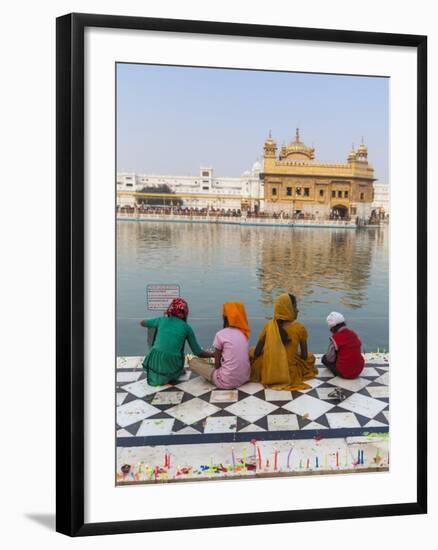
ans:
x=165 y=361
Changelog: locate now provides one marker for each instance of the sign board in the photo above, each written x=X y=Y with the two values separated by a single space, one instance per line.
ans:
x=160 y=296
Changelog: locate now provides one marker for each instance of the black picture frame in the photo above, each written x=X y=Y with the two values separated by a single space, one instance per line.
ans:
x=70 y=272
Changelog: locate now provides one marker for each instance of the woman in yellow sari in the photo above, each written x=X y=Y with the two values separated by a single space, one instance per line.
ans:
x=276 y=361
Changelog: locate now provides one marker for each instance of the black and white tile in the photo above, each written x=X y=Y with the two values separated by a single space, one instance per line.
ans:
x=194 y=411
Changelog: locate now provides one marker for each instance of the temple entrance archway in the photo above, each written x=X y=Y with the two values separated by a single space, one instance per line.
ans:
x=339 y=211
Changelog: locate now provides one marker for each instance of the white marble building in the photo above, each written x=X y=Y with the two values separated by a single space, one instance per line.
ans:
x=206 y=190
x=381 y=198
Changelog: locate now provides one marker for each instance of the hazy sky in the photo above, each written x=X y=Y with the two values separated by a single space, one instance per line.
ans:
x=172 y=120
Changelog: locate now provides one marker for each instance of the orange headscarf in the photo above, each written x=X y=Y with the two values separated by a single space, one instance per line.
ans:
x=236 y=315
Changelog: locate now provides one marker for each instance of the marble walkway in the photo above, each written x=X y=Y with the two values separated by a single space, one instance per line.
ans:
x=195 y=424
x=194 y=411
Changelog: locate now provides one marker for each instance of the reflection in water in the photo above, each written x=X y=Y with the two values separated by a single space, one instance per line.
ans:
x=327 y=269
x=304 y=261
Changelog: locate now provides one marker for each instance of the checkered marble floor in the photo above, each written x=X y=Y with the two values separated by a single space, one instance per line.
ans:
x=194 y=411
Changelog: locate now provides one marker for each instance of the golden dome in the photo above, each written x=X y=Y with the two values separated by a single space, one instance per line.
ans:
x=297 y=150
x=269 y=139
x=352 y=154
x=362 y=151
x=270 y=147
x=362 y=147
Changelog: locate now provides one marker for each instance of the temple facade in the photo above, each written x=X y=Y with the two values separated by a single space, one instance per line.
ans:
x=295 y=183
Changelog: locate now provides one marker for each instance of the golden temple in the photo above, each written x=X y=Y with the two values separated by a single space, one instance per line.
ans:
x=295 y=183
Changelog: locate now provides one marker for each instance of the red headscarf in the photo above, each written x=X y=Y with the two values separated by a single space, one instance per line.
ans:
x=178 y=308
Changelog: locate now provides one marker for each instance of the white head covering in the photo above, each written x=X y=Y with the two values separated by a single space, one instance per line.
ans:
x=334 y=319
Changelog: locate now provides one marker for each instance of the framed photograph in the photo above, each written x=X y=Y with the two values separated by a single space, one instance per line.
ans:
x=241 y=274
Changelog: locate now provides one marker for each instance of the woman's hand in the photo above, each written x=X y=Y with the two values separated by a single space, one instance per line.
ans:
x=217 y=358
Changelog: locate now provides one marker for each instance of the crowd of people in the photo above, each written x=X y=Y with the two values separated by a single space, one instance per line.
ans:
x=180 y=210
x=214 y=212
x=280 y=360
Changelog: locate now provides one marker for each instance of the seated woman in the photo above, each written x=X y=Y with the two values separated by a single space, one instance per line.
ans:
x=276 y=361
x=231 y=357
x=165 y=361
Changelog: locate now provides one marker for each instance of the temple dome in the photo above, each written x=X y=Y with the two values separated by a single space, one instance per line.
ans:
x=362 y=151
x=297 y=150
x=352 y=154
x=270 y=147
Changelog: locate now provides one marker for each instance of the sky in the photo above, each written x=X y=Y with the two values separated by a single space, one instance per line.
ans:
x=172 y=120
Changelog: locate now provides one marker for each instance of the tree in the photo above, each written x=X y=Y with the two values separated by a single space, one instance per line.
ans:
x=159 y=201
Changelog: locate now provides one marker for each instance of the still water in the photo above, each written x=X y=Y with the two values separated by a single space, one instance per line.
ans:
x=327 y=269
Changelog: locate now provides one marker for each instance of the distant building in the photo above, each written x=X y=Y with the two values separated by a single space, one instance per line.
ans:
x=295 y=183
x=291 y=182
x=206 y=190
x=381 y=199
x=126 y=185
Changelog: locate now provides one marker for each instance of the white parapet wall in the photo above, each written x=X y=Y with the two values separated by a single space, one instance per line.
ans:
x=230 y=220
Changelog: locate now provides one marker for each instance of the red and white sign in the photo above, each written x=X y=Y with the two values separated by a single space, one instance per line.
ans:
x=160 y=296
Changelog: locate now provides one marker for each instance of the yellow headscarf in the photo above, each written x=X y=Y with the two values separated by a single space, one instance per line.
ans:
x=236 y=315
x=284 y=309
x=274 y=354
